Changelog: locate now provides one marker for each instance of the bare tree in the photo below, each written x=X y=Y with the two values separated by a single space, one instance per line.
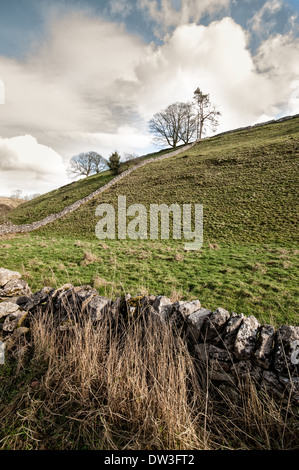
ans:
x=182 y=122
x=166 y=125
x=206 y=113
x=86 y=164
x=99 y=163
x=16 y=194
x=188 y=122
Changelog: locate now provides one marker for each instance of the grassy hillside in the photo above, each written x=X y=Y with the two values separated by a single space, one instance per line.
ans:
x=56 y=200
x=247 y=182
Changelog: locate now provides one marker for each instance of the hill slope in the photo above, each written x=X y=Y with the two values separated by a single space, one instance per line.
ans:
x=247 y=182
x=59 y=199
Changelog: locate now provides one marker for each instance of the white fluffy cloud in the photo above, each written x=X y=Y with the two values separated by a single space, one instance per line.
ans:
x=25 y=164
x=69 y=82
x=277 y=61
x=216 y=59
x=93 y=86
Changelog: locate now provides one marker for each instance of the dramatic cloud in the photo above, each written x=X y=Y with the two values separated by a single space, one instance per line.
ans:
x=69 y=82
x=215 y=58
x=91 y=85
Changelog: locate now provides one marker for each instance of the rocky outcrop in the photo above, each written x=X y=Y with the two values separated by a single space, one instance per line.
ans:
x=231 y=347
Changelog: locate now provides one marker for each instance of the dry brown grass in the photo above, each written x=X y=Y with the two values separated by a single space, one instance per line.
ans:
x=130 y=385
x=89 y=258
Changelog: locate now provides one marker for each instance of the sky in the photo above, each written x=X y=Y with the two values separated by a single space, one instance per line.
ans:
x=88 y=75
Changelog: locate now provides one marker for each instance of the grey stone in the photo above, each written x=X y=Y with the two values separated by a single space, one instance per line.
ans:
x=57 y=293
x=15 y=287
x=85 y=292
x=161 y=307
x=216 y=361
x=6 y=308
x=14 y=320
x=195 y=322
x=285 y=345
x=230 y=393
x=271 y=384
x=29 y=303
x=215 y=323
x=186 y=308
x=6 y=275
x=246 y=337
x=291 y=387
x=231 y=329
x=181 y=310
x=219 y=356
x=265 y=343
x=15 y=336
x=201 y=351
x=219 y=375
x=98 y=307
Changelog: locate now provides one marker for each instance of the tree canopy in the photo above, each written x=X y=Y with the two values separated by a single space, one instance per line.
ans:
x=87 y=163
x=182 y=122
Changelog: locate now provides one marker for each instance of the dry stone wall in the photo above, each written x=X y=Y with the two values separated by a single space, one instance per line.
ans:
x=229 y=346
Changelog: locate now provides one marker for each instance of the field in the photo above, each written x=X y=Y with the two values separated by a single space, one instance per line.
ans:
x=247 y=182
x=140 y=387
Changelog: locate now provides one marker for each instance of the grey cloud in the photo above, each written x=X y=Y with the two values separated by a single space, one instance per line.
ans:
x=8 y=158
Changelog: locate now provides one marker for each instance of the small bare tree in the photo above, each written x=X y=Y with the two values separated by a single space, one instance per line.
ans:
x=206 y=114
x=16 y=194
x=86 y=164
x=188 y=123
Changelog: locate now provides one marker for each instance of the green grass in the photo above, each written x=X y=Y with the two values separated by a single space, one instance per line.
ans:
x=247 y=182
x=252 y=279
x=56 y=200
